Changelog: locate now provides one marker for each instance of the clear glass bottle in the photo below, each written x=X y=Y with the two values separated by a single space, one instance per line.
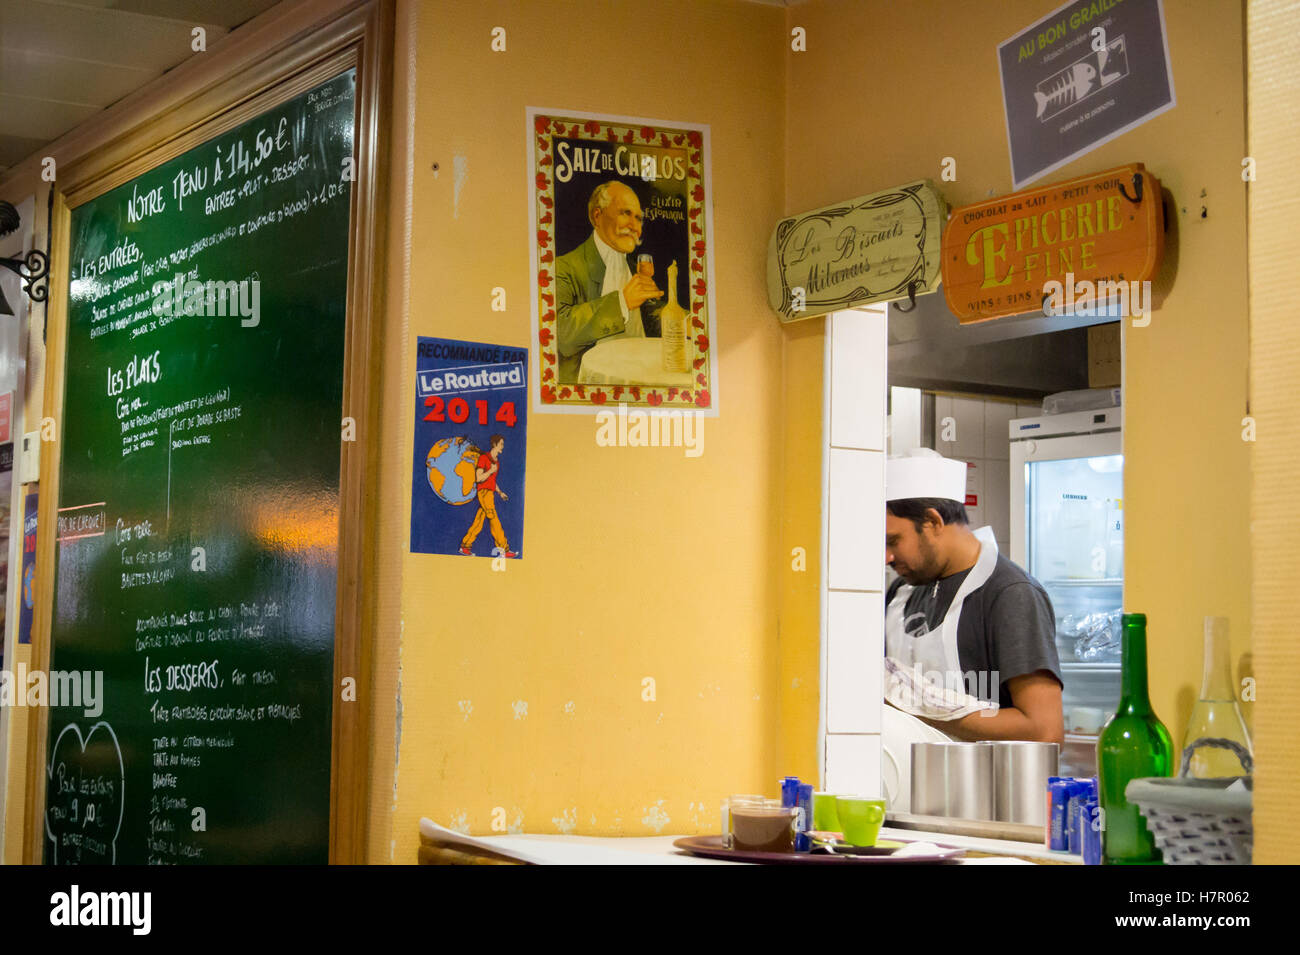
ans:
x=1216 y=715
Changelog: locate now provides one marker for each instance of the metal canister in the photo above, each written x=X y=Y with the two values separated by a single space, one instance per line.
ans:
x=952 y=779
x=929 y=793
x=1020 y=773
x=1058 y=798
x=1090 y=826
x=802 y=841
x=1083 y=790
x=970 y=781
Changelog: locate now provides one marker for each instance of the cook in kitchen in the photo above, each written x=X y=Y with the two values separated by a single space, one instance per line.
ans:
x=970 y=642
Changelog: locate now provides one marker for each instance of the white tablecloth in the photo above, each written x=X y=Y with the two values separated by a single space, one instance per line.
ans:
x=659 y=850
x=631 y=361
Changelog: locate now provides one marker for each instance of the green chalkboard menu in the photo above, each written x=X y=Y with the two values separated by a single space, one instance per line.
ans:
x=192 y=634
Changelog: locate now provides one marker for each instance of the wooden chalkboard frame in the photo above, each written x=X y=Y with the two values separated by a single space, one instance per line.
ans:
x=279 y=56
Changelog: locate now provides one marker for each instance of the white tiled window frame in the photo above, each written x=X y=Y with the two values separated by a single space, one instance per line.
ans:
x=853 y=558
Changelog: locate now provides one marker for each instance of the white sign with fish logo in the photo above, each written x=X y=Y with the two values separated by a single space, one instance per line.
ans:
x=1083 y=74
x=1086 y=76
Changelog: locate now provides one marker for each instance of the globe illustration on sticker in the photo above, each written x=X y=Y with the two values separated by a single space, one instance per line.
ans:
x=450 y=465
x=29 y=573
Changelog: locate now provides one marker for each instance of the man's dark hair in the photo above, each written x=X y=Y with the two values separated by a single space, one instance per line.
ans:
x=913 y=509
x=492 y=441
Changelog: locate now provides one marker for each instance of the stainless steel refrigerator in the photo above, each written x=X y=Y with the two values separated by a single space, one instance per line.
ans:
x=1067 y=531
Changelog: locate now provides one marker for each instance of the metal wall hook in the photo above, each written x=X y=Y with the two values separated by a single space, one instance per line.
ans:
x=1137 y=188
x=911 y=298
x=33 y=268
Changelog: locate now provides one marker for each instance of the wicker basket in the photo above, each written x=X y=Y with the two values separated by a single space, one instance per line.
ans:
x=1198 y=821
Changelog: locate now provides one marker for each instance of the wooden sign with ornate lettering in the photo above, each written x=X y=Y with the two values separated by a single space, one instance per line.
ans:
x=870 y=249
x=1006 y=255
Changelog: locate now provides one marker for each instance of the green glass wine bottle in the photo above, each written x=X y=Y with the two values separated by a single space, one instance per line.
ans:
x=1133 y=744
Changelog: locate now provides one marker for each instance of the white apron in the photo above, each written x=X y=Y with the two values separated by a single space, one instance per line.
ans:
x=922 y=673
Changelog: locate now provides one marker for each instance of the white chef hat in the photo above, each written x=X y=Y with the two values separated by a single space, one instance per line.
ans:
x=922 y=472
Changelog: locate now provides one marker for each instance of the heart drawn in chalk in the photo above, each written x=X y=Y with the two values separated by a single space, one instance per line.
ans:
x=84 y=800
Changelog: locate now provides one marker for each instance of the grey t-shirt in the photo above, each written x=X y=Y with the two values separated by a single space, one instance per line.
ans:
x=1007 y=627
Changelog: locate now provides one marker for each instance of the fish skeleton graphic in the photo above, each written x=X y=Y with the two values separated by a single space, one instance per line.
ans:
x=1067 y=87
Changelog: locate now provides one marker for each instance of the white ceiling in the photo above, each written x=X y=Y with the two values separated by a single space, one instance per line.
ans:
x=62 y=61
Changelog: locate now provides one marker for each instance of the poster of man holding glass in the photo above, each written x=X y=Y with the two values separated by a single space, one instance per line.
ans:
x=622 y=226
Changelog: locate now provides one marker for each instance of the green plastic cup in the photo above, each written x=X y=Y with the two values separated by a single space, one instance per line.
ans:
x=825 y=818
x=860 y=818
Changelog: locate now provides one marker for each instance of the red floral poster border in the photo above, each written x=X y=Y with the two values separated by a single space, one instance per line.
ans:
x=555 y=395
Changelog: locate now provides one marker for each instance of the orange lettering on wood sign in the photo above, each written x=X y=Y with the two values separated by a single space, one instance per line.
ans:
x=997 y=254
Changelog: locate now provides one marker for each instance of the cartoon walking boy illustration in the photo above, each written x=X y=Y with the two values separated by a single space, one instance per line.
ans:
x=485 y=475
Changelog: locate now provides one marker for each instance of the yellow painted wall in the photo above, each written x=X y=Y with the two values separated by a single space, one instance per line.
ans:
x=803 y=357
x=638 y=562
x=887 y=90
x=1274 y=30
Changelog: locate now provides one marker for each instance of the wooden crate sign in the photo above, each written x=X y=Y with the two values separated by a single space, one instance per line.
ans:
x=1000 y=255
x=869 y=249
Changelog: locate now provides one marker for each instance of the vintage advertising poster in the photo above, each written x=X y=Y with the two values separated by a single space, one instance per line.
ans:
x=27 y=599
x=1082 y=75
x=471 y=426
x=621 y=235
